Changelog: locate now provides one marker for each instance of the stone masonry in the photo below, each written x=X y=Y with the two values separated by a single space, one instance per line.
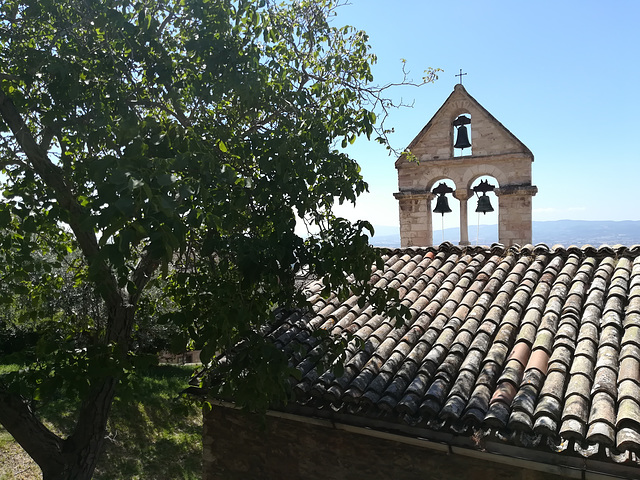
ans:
x=239 y=445
x=495 y=152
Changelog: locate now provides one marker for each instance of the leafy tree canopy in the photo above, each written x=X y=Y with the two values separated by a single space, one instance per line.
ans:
x=160 y=154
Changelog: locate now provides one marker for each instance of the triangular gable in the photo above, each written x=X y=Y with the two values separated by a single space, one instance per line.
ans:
x=489 y=136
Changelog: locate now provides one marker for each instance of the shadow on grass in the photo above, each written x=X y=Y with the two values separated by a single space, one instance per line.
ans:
x=152 y=432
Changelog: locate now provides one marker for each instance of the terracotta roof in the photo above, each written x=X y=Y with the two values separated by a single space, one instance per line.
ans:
x=536 y=346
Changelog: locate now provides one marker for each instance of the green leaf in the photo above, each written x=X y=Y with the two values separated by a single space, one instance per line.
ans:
x=165 y=180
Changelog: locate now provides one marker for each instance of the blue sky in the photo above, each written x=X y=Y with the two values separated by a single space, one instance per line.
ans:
x=562 y=76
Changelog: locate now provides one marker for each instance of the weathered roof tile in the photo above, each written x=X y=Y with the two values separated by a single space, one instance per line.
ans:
x=631 y=335
x=561 y=358
x=498 y=415
x=453 y=409
x=607 y=357
x=545 y=425
x=548 y=406
x=497 y=353
x=629 y=369
x=544 y=338
x=629 y=350
x=512 y=372
x=579 y=384
x=628 y=438
x=582 y=364
x=603 y=409
x=602 y=433
x=605 y=381
x=525 y=399
x=532 y=341
x=539 y=361
x=587 y=347
x=631 y=319
x=520 y=420
x=577 y=407
x=573 y=429
x=628 y=413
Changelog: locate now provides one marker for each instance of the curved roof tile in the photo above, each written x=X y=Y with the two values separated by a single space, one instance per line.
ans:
x=540 y=343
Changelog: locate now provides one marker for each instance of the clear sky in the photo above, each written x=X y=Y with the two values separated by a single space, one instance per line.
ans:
x=562 y=76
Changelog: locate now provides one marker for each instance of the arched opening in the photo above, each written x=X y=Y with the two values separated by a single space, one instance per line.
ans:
x=445 y=224
x=483 y=211
x=462 y=135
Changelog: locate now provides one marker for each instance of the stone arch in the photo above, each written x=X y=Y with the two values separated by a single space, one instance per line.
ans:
x=439 y=221
x=476 y=171
x=481 y=222
x=432 y=181
x=460 y=107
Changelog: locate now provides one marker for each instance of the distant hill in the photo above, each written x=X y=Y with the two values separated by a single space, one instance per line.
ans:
x=563 y=232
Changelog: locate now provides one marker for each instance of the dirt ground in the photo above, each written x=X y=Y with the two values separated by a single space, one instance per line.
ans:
x=15 y=464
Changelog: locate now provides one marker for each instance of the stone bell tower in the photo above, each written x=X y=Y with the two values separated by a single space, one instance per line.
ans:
x=490 y=150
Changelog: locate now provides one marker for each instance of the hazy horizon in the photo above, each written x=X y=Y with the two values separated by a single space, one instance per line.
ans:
x=551 y=232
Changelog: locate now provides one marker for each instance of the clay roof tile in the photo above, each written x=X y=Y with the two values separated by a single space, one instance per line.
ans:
x=530 y=340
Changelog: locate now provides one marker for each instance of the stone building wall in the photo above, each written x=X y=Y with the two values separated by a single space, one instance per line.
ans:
x=515 y=219
x=415 y=222
x=243 y=446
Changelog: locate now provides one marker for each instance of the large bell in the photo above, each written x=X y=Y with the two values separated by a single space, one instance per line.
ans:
x=484 y=204
x=442 y=205
x=462 y=139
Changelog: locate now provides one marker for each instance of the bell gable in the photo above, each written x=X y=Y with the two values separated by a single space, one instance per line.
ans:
x=488 y=136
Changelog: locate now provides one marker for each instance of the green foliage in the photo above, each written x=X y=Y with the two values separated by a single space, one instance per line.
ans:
x=156 y=158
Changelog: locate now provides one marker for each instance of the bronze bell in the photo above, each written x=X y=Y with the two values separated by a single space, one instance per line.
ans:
x=462 y=139
x=484 y=204
x=442 y=205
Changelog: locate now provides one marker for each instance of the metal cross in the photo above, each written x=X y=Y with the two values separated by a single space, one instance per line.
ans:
x=460 y=75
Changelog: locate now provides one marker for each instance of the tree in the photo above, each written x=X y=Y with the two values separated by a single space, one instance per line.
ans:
x=173 y=144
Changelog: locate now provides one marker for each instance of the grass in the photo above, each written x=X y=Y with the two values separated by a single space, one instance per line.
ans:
x=152 y=434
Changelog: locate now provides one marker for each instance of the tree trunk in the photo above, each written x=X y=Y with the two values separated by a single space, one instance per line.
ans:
x=74 y=458
x=80 y=452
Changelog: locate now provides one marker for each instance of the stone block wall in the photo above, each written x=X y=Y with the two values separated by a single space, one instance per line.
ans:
x=515 y=216
x=238 y=446
x=511 y=169
x=415 y=219
x=488 y=136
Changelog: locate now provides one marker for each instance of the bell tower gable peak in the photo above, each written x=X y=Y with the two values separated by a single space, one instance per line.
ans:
x=489 y=137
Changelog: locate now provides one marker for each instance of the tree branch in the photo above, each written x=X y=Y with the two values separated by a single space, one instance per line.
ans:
x=7 y=76
x=37 y=440
x=53 y=178
x=47 y=137
x=14 y=414
x=178 y=114
x=142 y=275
